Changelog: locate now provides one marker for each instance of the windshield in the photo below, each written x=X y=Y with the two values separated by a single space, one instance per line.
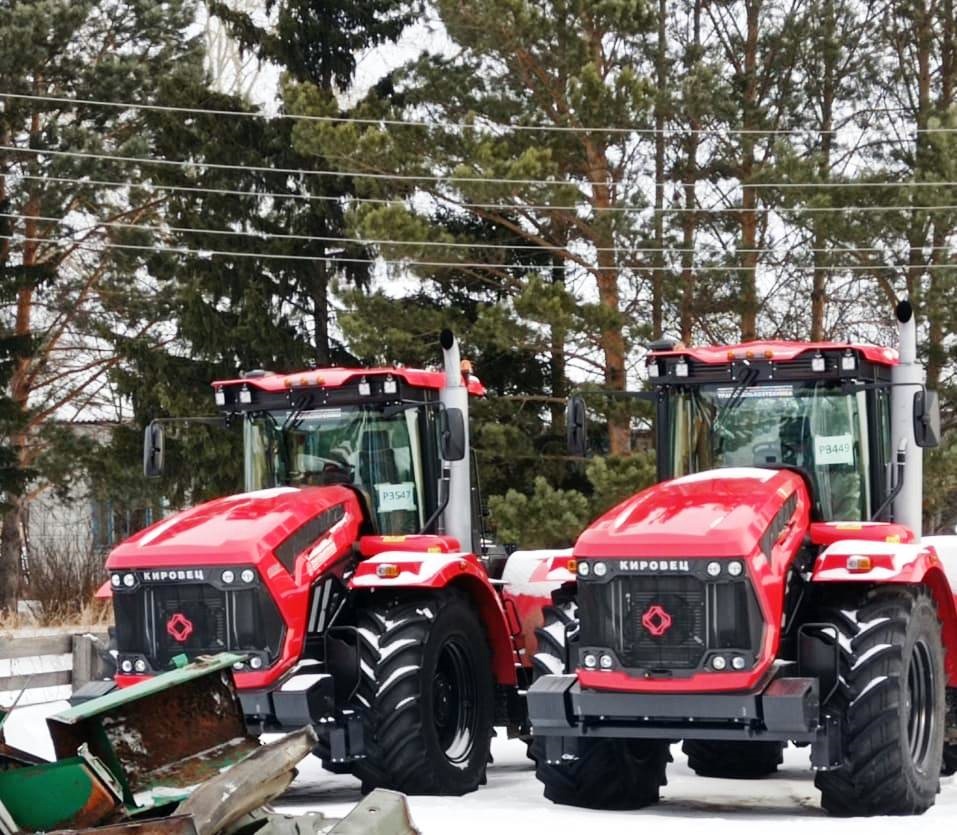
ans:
x=381 y=455
x=812 y=426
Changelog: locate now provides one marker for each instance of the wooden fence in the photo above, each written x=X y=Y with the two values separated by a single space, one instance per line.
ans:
x=85 y=664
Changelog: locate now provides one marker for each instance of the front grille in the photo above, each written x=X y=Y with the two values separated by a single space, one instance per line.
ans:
x=670 y=621
x=160 y=620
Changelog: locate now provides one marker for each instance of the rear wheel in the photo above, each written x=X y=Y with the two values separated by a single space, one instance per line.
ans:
x=891 y=695
x=735 y=760
x=427 y=695
x=608 y=773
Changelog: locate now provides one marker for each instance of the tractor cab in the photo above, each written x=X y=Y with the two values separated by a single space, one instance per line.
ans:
x=384 y=432
x=820 y=409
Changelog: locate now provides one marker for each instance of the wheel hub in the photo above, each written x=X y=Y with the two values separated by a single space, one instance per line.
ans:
x=919 y=706
x=454 y=699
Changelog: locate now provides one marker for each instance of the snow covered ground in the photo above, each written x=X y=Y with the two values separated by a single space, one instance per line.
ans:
x=512 y=801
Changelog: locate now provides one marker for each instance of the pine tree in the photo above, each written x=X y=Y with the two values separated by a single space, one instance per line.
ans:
x=558 y=65
x=70 y=280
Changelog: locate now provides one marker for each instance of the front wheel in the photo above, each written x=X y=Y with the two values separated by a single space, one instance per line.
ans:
x=747 y=760
x=891 y=695
x=608 y=773
x=427 y=695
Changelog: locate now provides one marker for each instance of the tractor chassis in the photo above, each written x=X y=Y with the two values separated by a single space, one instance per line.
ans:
x=788 y=709
x=306 y=698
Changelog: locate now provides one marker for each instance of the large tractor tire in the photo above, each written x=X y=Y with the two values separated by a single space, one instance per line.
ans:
x=891 y=697
x=609 y=773
x=427 y=694
x=735 y=760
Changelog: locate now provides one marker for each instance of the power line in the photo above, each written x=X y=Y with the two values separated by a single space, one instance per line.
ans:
x=502 y=207
x=451 y=178
x=635 y=250
x=448 y=125
x=107 y=245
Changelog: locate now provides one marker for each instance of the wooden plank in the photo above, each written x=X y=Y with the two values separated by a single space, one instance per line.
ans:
x=42 y=645
x=28 y=681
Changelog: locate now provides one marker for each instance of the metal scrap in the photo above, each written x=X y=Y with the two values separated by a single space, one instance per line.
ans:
x=175 y=744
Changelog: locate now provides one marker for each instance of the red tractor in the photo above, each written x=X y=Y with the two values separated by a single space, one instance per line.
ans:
x=773 y=587
x=351 y=575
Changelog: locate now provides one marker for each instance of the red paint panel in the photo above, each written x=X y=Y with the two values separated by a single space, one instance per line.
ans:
x=719 y=513
x=781 y=351
x=338 y=377
x=656 y=524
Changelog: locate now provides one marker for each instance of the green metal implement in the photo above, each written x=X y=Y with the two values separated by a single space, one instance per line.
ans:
x=164 y=736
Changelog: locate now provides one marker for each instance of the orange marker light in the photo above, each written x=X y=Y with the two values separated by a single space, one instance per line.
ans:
x=572 y=566
x=858 y=564
x=387 y=570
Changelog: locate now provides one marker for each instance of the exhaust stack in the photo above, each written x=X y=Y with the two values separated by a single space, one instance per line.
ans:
x=907 y=377
x=458 y=513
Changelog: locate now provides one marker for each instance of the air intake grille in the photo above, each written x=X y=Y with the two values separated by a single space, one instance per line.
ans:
x=665 y=622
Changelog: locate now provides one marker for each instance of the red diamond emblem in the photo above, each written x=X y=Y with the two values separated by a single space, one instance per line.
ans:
x=656 y=620
x=180 y=627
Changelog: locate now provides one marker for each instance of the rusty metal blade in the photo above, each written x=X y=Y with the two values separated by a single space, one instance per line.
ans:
x=380 y=812
x=164 y=736
x=263 y=775
x=174 y=825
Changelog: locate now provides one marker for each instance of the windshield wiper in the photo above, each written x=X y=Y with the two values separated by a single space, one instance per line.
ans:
x=737 y=395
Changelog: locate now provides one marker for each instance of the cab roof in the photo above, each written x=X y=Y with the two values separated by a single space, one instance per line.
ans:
x=778 y=351
x=332 y=378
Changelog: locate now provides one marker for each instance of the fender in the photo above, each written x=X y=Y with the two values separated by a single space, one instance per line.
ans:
x=529 y=579
x=434 y=571
x=897 y=564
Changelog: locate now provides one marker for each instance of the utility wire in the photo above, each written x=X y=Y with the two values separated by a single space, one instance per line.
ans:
x=107 y=245
x=502 y=207
x=390 y=122
x=449 y=178
x=637 y=250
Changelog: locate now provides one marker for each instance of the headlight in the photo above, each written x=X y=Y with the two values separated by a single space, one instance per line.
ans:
x=735 y=568
x=256 y=662
x=714 y=569
x=738 y=662
x=248 y=575
x=606 y=661
x=584 y=569
x=129 y=580
x=126 y=665
x=140 y=665
x=590 y=661
x=600 y=569
x=718 y=662
x=115 y=580
x=228 y=577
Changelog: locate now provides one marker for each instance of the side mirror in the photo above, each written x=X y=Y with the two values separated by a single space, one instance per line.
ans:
x=576 y=424
x=926 y=418
x=452 y=434
x=154 y=447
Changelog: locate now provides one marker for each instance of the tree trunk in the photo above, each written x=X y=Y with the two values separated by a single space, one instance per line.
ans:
x=943 y=229
x=658 y=261
x=10 y=548
x=689 y=219
x=320 y=314
x=749 y=216
x=821 y=259
x=557 y=359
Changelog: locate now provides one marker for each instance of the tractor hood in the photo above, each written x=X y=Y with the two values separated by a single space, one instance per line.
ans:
x=244 y=528
x=716 y=513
